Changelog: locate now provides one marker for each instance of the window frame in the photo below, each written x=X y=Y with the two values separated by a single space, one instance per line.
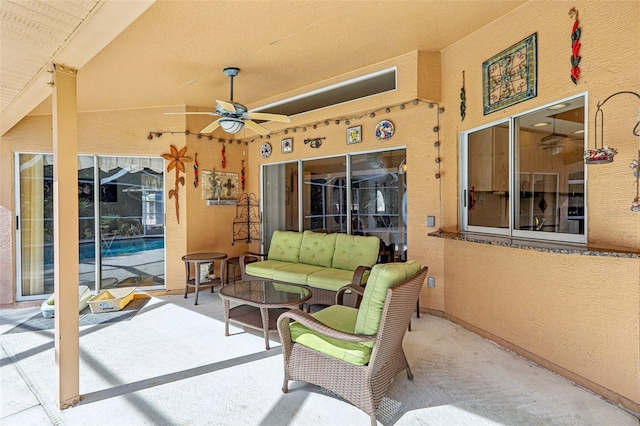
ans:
x=511 y=232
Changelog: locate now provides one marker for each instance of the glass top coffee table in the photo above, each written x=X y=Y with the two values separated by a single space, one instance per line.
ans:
x=261 y=303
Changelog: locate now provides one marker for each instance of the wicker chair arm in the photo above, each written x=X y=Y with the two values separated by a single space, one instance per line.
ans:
x=318 y=327
x=359 y=290
x=358 y=274
x=249 y=255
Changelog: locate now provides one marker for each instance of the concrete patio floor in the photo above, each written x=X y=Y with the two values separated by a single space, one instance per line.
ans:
x=172 y=365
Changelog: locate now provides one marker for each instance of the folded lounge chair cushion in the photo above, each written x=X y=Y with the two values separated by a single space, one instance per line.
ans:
x=364 y=320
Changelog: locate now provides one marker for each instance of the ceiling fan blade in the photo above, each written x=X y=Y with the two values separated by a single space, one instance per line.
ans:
x=256 y=127
x=227 y=106
x=211 y=127
x=188 y=113
x=269 y=117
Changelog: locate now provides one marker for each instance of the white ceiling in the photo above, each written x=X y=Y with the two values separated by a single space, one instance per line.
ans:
x=146 y=53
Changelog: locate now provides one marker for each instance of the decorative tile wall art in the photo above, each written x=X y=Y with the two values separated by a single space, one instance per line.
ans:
x=287 y=146
x=354 y=135
x=510 y=77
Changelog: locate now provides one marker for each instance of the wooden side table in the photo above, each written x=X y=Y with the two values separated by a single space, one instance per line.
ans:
x=197 y=259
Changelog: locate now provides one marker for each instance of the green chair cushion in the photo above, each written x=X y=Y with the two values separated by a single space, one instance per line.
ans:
x=354 y=250
x=285 y=246
x=317 y=248
x=296 y=273
x=382 y=277
x=265 y=269
x=339 y=317
x=330 y=279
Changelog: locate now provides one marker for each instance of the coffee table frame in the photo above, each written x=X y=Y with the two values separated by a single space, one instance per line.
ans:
x=255 y=314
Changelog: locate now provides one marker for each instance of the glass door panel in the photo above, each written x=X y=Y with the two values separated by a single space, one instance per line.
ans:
x=131 y=222
x=378 y=200
x=86 y=221
x=324 y=195
x=34 y=193
x=280 y=193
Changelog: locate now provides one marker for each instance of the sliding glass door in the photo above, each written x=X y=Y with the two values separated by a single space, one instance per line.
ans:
x=363 y=194
x=121 y=223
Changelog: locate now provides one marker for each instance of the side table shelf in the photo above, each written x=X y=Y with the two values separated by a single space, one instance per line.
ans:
x=193 y=261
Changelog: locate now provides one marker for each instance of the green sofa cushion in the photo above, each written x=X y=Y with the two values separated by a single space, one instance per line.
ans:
x=296 y=273
x=354 y=250
x=339 y=317
x=266 y=268
x=382 y=277
x=285 y=246
x=330 y=279
x=317 y=248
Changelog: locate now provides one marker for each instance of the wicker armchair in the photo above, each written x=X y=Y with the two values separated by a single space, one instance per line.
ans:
x=363 y=385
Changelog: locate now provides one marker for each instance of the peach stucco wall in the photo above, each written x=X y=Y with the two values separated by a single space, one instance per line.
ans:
x=578 y=315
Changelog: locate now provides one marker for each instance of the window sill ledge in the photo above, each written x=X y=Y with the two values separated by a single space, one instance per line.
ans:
x=543 y=246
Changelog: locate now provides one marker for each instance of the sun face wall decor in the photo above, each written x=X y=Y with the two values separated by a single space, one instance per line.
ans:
x=510 y=76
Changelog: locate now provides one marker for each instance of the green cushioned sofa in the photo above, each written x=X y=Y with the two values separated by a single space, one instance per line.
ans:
x=323 y=262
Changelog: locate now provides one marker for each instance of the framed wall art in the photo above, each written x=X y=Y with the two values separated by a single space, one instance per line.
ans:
x=219 y=187
x=354 y=135
x=287 y=146
x=510 y=76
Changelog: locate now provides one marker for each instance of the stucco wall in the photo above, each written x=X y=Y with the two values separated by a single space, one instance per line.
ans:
x=578 y=315
x=210 y=228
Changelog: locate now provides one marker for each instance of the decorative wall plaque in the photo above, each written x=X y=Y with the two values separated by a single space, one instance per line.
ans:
x=510 y=76
x=219 y=187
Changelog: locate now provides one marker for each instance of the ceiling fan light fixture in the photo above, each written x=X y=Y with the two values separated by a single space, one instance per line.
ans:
x=231 y=125
x=553 y=149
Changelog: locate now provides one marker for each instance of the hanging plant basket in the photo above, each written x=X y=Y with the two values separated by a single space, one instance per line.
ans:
x=599 y=155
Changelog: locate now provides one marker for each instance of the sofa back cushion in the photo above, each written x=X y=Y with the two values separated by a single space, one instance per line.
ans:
x=383 y=276
x=317 y=248
x=285 y=246
x=354 y=250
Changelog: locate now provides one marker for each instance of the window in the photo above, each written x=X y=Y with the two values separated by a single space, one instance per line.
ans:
x=525 y=176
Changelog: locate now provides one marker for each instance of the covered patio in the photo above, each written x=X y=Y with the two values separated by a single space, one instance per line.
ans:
x=571 y=308
x=171 y=364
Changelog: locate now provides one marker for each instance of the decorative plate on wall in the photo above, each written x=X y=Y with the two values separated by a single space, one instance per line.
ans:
x=384 y=130
x=265 y=150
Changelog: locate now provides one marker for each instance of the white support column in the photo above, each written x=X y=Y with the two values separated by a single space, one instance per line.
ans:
x=65 y=231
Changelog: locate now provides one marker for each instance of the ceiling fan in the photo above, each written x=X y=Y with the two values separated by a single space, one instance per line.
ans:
x=234 y=116
x=551 y=144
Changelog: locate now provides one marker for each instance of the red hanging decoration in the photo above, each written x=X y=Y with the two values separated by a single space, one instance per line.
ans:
x=575 y=47
x=224 y=159
x=195 y=171
x=242 y=176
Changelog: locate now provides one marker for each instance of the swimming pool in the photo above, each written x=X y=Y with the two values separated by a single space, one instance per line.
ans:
x=117 y=247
